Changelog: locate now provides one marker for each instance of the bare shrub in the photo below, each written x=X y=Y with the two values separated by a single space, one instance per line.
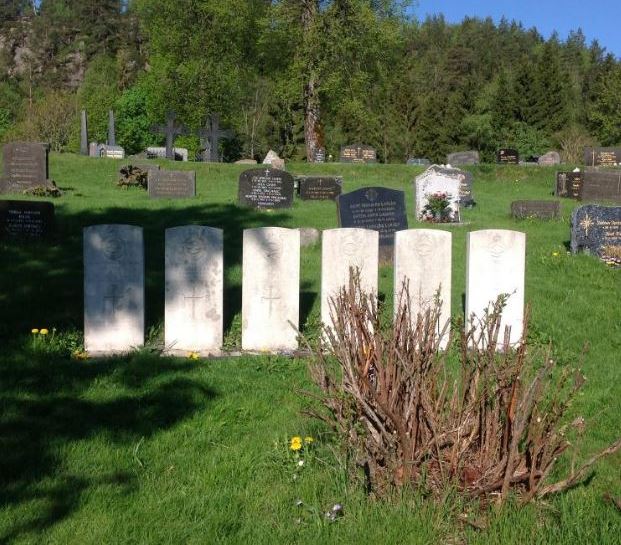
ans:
x=493 y=426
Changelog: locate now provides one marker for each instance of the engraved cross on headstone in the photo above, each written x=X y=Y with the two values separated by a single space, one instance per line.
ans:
x=210 y=137
x=269 y=296
x=193 y=298
x=112 y=300
x=171 y=129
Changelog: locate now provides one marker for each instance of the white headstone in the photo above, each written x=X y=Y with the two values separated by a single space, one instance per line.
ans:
x=423 y=260
x=113 y=288
x=496 y=260
x=271 y=289
x=342 y=249
x=432 y=181
x=194 y=288
x=156 y=151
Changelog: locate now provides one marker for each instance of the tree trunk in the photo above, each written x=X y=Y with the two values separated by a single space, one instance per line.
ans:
x=312 y=123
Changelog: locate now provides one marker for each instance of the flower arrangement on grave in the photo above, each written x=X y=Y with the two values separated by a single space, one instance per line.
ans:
x=437 y=209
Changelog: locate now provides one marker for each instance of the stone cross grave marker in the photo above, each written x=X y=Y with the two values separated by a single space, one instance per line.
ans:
x=170 y=130
x=423 y=261
x=194 y=288
x=508 y=156
x=341 y=250
x=438 y=180
x=270 y=289
x=597 y=230
x=609 y=157
x=358 y=153
x=25 y=165
x=319 y=188
x=569 y=184
x=83 y=134
x=171 y=184
x=26 y=219
x=601 y=186
x=496 y=265
x=543 y=210
x=113 y=288
x=265 y=188
x=463 y=158
x=210 y=137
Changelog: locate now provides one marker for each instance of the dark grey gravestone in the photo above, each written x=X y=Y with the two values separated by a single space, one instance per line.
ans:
x=376 y=208
x=418 y=161
x=508 y=156
x=111 y=129
x=319 y=155
x=605 y=157
x=597 y=230
x=463 y=158
x=601 y=186
x=265 y=188
x=543 y=210
x=171 y=184
x=25 y=165
x=83 y=134
x=170 y=130
x=26 y=219
x=569 y=184
x=358 y=153
x=210 y=137
x=319 y=188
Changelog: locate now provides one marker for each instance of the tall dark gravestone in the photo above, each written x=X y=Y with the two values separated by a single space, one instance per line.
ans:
x=26 y=219
x=265 y=188
x=25 y=165
x=170 y=130
x=171 y=184
x=210 y=137
x=319 y=188
x=508 y=156
x=597 y=230
x=601 y=186
x=569 y=184
x=358 y=153
x=377 y=208
x=83 y=134
x=319 y=155
x=604 y=157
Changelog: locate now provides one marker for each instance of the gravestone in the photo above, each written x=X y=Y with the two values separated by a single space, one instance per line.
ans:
x=194 y=290
x=543 y=210
x=423 y=260
x=113 y=288
x=26 y=219
x=319 y=155
x=105 y=150
x=597 y=230
x=508 y=156
x=549 y=159
x=358 y=153
x=463 y=158
x=170 y=130
x=606 y=157
x=83 y=134
x=495 y=266
x=464 y=177
x=319 y=188
x=601 y=186
x=569 y=184
x=377 y=208
x=210 y=137
x=155 y=152
x=418 y=161
x=271 y=289
x=342 y=249
x=433 y=181
x=25 y=166
x=171 y=184
x=265 y=188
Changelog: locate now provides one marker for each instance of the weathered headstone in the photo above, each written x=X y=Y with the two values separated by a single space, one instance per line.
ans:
x=358 y=153
x=265 y=188
x=246 y=162
x=111 y=129
x=508 y=156
x=105 y=150
x=270 y=289
x=26 y=219
x=113 y=288
x=194 y=290
x=609 y=157
x=83 y=134
x=341 y=250
x=25 y=166
x=423 y=261
x=436 y=181
x=543 y=210
x=463 y=158
x=569 y=184
x=496 y=266
x=170 y=130
x=597 y=230
x=439 y=172
x=602 y=185
x=319 y=155
x=549 y=159
x=210 y=139
x=418 y=161
x=171 y=184
x=155 y=152
x=319 y=188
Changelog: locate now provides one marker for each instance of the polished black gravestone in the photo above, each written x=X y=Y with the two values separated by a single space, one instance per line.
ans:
x=463 y=158
x=171 y=184
x=319 y=155
x=543 y=210
x=265 y=188
x=601 y=185
x=26 y=219
x=319 y=188
x=605 y=157
x=376 y=208
x=25 y=165
x=508 y=156
x=597 y=230
x=358 y=153
x=569 y=184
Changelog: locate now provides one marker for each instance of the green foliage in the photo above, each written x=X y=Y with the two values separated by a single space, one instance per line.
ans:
x=133 y=124
x=605 y=111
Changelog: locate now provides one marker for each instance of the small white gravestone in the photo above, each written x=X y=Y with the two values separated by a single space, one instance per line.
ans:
x=273 y=159
x=423 y=260
x=271 y=289
x=431 y=182
x=194 y=288
x=496 y=260
x=342 y=249
x=113 y=288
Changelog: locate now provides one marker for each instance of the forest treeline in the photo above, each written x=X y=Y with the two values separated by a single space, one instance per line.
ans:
x=294 y=75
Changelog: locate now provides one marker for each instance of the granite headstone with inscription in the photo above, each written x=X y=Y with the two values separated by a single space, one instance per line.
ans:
x=597 y=230
x=508 y=156
x=605 y=157
x=26 y=219
x=265 y=188
x=569 y=184
x=358 y=153
x=171 y=184
x=25 y=165
x=319 y=188
x=543 y=210
x=602 y=185
x=463 y=158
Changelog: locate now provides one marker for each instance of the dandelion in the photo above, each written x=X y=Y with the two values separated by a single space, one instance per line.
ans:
x=80 y=355
x=34 y=331
x=300 y=463
x=296 y=443
x=308 y=440
x=193 y=355
x=44 y=331
x=555 y=254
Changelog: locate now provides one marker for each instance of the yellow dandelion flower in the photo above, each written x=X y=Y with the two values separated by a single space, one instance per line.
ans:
x=308 y=439
x=296 y=443
x=44 y=331
x=34 y=331
x=555 y=254
x=193 y=355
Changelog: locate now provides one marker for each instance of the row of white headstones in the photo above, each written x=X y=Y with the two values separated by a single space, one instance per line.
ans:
x=114 y=279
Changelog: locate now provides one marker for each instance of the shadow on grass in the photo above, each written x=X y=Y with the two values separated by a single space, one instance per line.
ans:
x=53 y=407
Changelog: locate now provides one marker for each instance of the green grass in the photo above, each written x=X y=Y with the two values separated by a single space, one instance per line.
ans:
x=162 y=450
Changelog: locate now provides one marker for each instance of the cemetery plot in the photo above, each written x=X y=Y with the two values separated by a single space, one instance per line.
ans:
x=439 y=183
x=569 y=185
x=319 y=188
x=358 y=153
x=171 y=184
x=25 y=166
x=26 y=219
x=609 y=157
x=508 y=156
x=265 y=188
x=463 y=158
x=544 y=210
x=601 y=186
x=597 y=230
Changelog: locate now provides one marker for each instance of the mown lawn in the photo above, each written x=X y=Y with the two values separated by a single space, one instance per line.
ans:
x=146 y=449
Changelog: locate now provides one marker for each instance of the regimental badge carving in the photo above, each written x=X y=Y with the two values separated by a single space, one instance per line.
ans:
x=194 y=245
x=424 y=246
x=273 y=246
x=350 y=244
x=496 y=247
x=371 y=195
x=112 y=245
